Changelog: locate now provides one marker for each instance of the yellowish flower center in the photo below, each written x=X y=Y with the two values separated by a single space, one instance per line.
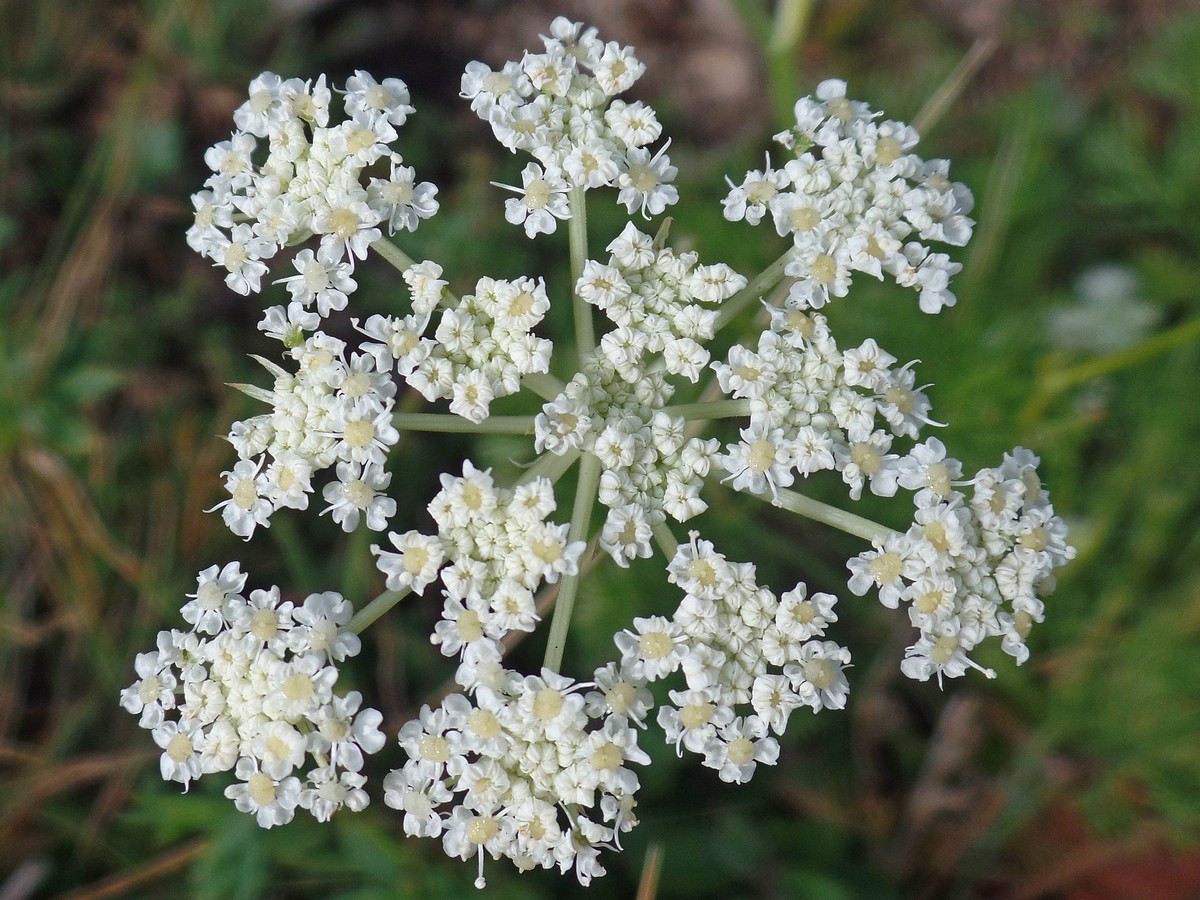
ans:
x=655 y=645
x=434 y=748
x=824 y=268
x=547 y=704
x=741 y=751
x=262 y=789
x=179 y=747
x=887 y=151
x=607 y=756
x=819 y=673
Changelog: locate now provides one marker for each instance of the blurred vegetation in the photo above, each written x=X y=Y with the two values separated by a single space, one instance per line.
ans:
x=1077 y=775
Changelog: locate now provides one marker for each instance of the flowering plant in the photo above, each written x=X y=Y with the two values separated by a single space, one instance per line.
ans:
x=540 y=767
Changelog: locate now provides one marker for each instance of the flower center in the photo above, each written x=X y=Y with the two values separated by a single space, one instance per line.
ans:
x=484 y=723
x=398 y=193
x=886 y=567
x=1037 y=539
x=840 y=107
x=547 y=704
x=355 y=386
x=149 y=689
x=316 y=279
x=803 y=613
x=741 y=751
x=210 y=596
x=521 y=305
x=696 y=715
x=620 y=697
x=343 y=223
x=643 y=178
x=360 y=140
x=804 y=218
x=537 y=194
x=263 y=625
x=470 y=629
x=482 y=829
x=928 y=602
x=866 y=457
x=655 y=645
x=434 y=748
x=377 y=98
x=607 y=756
x=179 y=747
x=260 y=102
x=703 y=572
x=235 y=257
x=824 y=268
x=358 y=493
x=819 y=673
x=262 y=789
x=760 y=192
x=415 y=559
x=761 y=456
x=887 y=151
x=943 y=649
x=298 y=687
x=359 y=433
x=245 y=493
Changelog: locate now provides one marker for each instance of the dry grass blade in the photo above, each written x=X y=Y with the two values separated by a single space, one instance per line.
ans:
x=124 y=883
x=943 y=98
x=651 y=869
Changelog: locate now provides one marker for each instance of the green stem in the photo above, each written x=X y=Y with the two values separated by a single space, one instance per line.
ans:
x=550 y=466
x=366 y=616
x=402 y=261
x=760 y=285
x=585 y=495
x=394 y=255
x=829 y=515
x=585 y=335
x=666 y=540
x=544 y=385
x=710 y=409
x=451 y=423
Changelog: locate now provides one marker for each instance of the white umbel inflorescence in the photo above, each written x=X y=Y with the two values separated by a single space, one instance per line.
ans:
x=971 y=566
x=541 y=769
x=250 y=688
x=559 y=107
x=312 y=181
x=856 y=199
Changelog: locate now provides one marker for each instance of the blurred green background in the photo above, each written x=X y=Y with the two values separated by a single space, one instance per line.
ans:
x=1077 y=334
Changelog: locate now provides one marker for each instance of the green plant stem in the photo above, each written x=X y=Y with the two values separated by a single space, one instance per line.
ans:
x=710 y=409
x=550 y=466
x=585 y=495
x=402 y=261
x=666 y=540
x=366 y=616
x=393 y=254
x=828 y=515
x=545 y=386
x=456 y=424
x=760 y=285
x=585 y=334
